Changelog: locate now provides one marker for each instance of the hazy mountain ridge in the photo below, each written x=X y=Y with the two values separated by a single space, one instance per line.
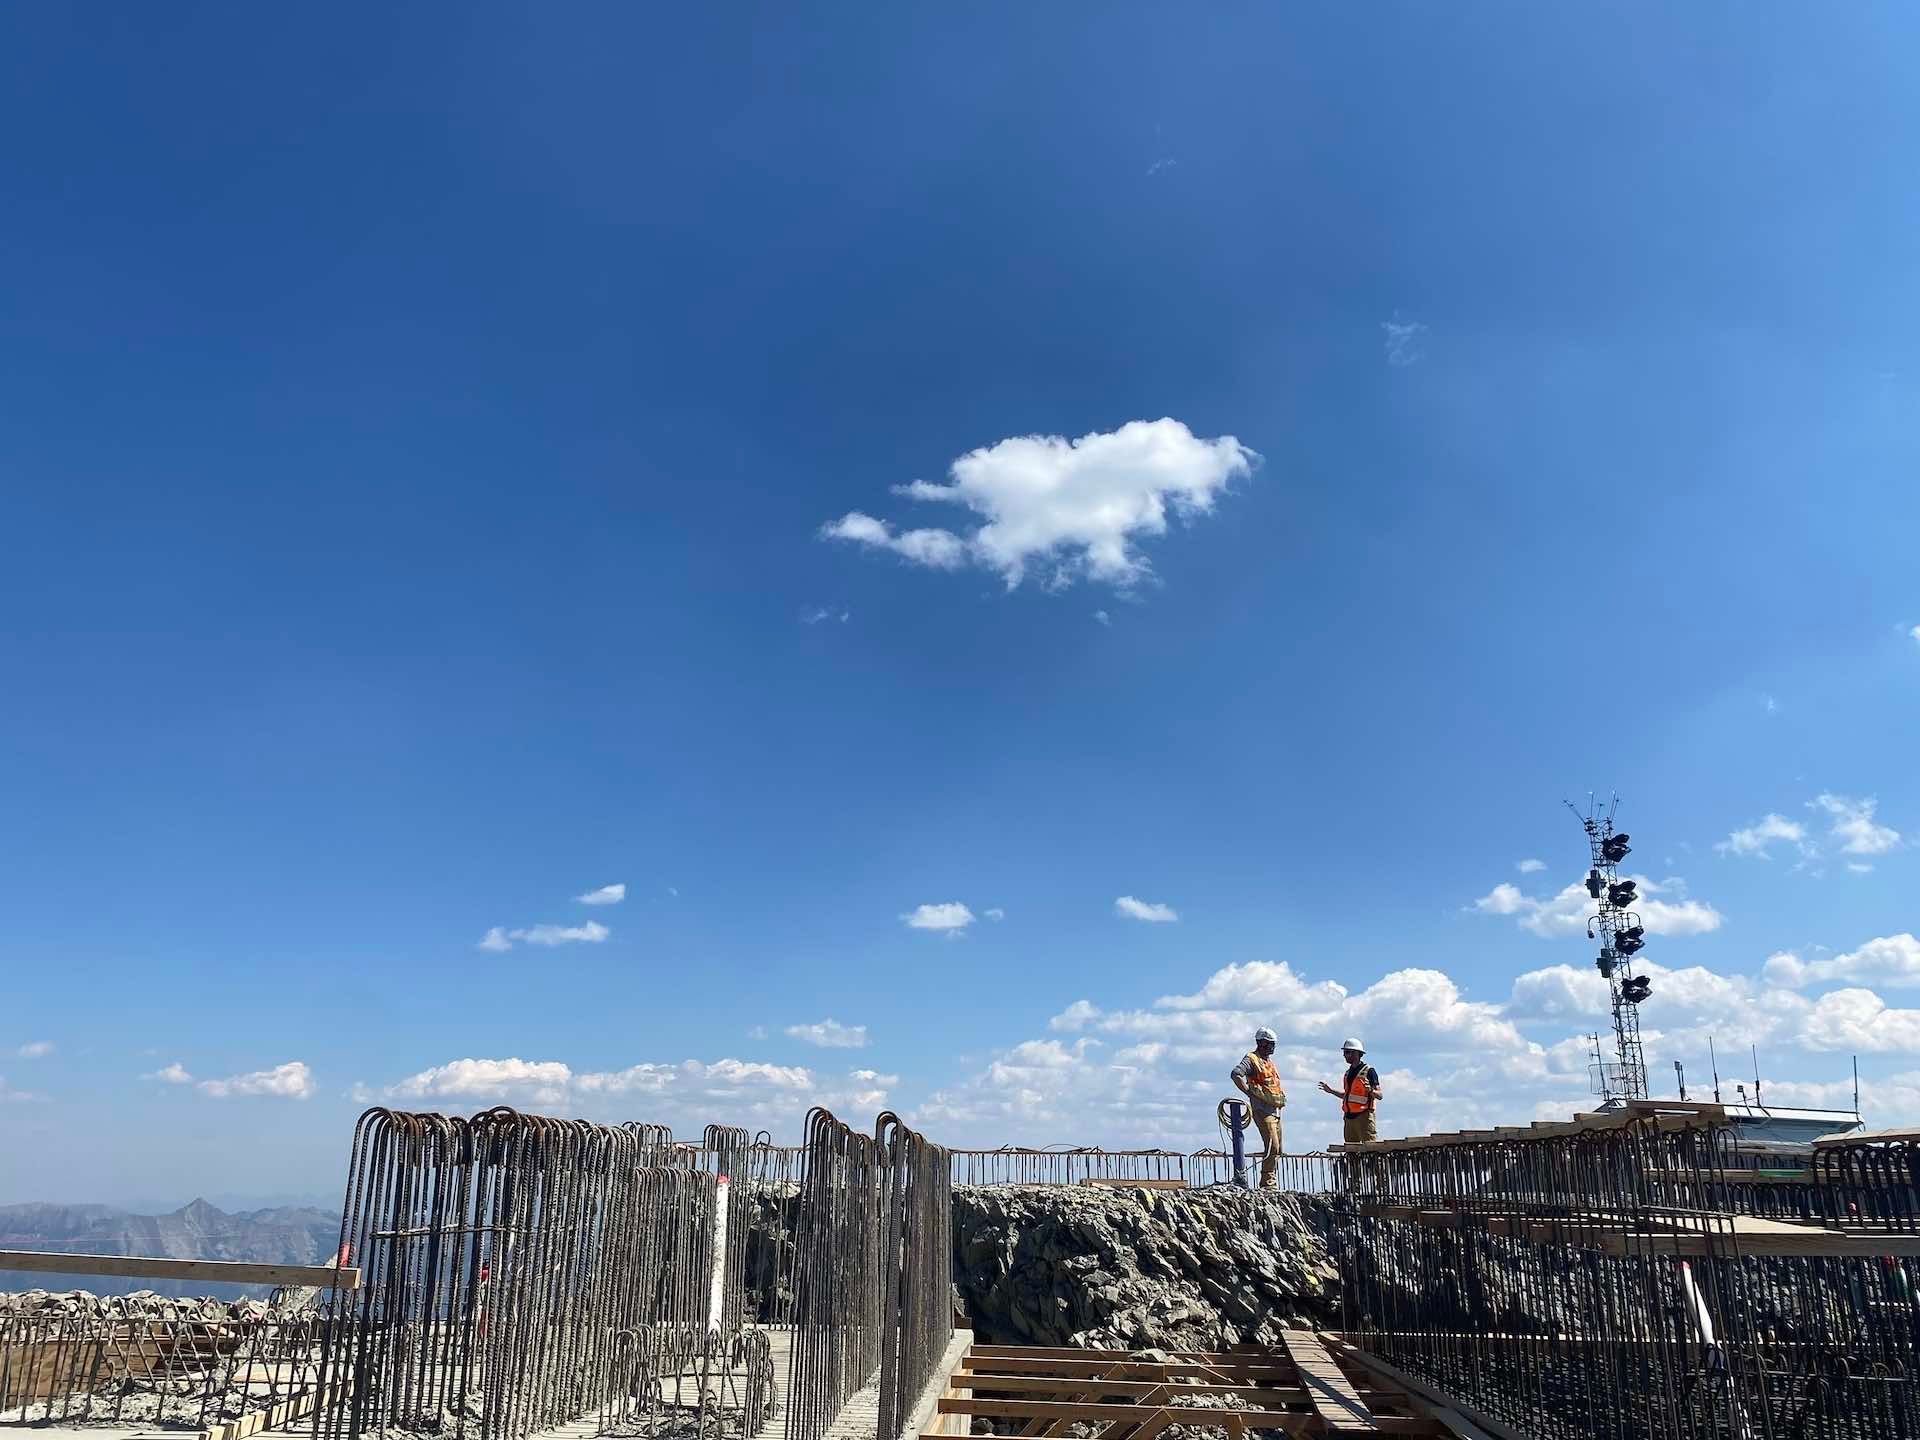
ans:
x=287 y=1235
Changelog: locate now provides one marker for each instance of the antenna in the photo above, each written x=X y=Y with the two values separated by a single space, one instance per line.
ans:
x=1856 y=1087
x=1621 y=935
x=1756 y=1074
x=1680 y=1074
x=1713 y=1061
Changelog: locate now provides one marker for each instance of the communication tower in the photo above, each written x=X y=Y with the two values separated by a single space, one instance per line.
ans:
x=1621 y=935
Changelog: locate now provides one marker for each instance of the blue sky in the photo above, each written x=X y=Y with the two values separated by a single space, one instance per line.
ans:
x=426 y=446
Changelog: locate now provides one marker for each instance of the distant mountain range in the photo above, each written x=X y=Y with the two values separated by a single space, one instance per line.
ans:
x=285 y=1235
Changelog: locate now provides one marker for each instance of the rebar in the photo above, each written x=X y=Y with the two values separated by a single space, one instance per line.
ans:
x=1632 y=1280
x=146 y=1360
x=519 y=1272
x=872 y=1271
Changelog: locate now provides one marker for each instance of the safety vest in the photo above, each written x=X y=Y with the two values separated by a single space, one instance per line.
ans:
x=1358 y=1100
x=1265 y=1076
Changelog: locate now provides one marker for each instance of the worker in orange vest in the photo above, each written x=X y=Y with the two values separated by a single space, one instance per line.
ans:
x=1257 y=1079
x=1359 y=1092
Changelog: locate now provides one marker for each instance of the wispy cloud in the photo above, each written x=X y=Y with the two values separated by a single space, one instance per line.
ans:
x=174 y=1074
x=1854 y=829
x=1166 y=162
x=1403 y=341
x=1103 y=617
x=815 y=614
x=11 y=1095
x=592 y=932
x=35 y=1050
x=1129 y=908
x=1530 y=867
x=948 y=916
x=994 y=912
x=830 y=1034
x=1070 y=509
x=291 y=1081
x=1754 y=839
x=605 y=895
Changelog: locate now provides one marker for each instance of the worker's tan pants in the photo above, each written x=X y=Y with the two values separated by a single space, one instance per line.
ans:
x=1359 y=1129
x=1269 y=1127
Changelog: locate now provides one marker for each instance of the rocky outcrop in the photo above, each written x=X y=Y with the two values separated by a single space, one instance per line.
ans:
x=1137 y=1269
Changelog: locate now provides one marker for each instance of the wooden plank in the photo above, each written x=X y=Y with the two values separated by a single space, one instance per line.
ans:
x=1045 y=1386
x=1462 y=1419
x=141 y=1267
x=1331 y=1394
x=1868 y=1137
x=1258 y=1369
x=1692 y=1244
x=285 y=1413
x=1183 y=1414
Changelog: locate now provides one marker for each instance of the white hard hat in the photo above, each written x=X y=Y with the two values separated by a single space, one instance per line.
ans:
x=1350 y=1043
x=1265 y=1034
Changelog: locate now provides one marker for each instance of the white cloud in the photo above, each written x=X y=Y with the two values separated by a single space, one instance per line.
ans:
x=1103 y=617
x=831 y=1035
x=1530 y=867
x=1858 y=868
x=605 y=895
x=685 y=1095
x=1915 y=633
x=35 y=1050
x=1128 y=908
x=291 y=1081
x=1859 y=1020
x=1890 y=959
x=814 y=614
x=1448 y=1060
x=1565 y=914
x=1076 y=1016
x=592 y=932
x=1403 y=341
x=994 y=912
x=1073 y=508
x=1755 y=838
x=174 y=1074
x=1854 y=828
x=949 y=916
x=1503 y=899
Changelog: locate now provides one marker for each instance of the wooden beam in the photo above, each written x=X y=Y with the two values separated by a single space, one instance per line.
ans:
x=1868 y=1137
x=1182 y=1414
x=1331 y=1394
x=141 y=1267
x=1462 y=1419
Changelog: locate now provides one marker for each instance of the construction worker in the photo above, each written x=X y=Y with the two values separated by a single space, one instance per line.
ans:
x=1256 y=1078
x=1359 y=1092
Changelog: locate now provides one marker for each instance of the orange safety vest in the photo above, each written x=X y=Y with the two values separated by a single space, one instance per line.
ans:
x=1265 y=1076
x=1358 y=1100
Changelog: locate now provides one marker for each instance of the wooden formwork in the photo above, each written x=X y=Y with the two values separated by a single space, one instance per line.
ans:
x=1301 y=1389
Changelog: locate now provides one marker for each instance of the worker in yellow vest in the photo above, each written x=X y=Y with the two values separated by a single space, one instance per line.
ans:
x=1256 y=1078
x=1359 y=1092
